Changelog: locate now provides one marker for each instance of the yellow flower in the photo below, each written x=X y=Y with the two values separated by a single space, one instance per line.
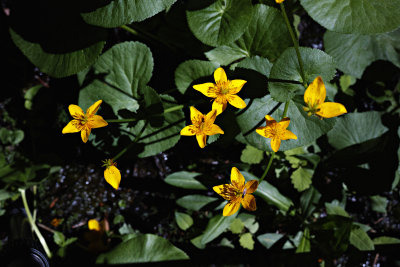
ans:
x=202 y=126
x=94 y=225
x=315 y=96
x=276 y=131
x=223 y=91
x=111 y=173
x=237 y=192
x=279 y=1
x=84 y=122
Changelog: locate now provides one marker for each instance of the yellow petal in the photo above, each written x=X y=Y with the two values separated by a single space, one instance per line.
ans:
x=112 y=176
x=97 y=121
x=231 y=208
x=189 y=130
x=275 y=143
x=249 y=202
x=226 y=191
x=289 y=135
x=237 y=179
x=330 y=109
x=76 y=112
x=315 y=94
x=236 y=101
x=236 y=86
x=207 y=89
x=94 y=225
x=219 y=105
x=269 y=120
x=251 y=186
x=201 y=139
x=220 y=75
x=284 y=123
x=213 y=129
x=211 y=116
x=279 y=1
x=85 y=132
x=73 y=126
x=262 y=131
x=195 y=115
x=93 y=108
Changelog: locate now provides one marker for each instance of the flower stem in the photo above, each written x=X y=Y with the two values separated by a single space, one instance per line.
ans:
x=285 y=110
x=295 y=43
x=32 y=223
x=131 y=144
x=268 y=167
x=122 y=120
x=129 y=29
x=174 y=108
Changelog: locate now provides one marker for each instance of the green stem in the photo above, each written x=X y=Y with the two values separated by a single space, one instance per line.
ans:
x=268 y=167
x=122 y=120
x=295 y=43
x=131 y=144
x=168 y=110
x=129 y=29
x=285 y=110
x=174 y=108
x=33 y=225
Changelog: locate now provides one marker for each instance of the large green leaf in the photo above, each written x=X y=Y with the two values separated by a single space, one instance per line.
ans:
x=386 y=240
x=306 y=128
x=354 y=52
x=120 y=12
x=184 y=179
x=259 y=64
x=194 y=202
x=315 y=63
x=192 y=70
x=355 y=16
x=355 y=128
x=216 y=226
x=58 y=64
x=140 y=249
x=270 y=193
x=222 y=22
x=361 y=240
x=267 y=36
x=128 y=66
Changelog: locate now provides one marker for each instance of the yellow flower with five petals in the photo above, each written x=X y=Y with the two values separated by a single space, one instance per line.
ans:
x=84 y=122
x=279 y=1
x=111 y=173
x=238 y=192
x=202 y=126
x=314 y=97
x=223 y=91
x=276 y=131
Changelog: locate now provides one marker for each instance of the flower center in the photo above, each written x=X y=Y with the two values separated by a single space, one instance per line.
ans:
x=224 y=87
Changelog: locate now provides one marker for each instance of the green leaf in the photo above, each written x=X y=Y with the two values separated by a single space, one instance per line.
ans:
x=222 y=22
x=121 y=12
x=256 y=63
x=58 y=64
x=301 y=178
x=355 y=128
x=306 y=128
x=246 y=241
x=251 y=155
x=304 y=245
x=267 y=36
x=216 y=226
x=12 y=137
x=361 y=240
x=334 y=209
x=158 y=139
x=355 y=16
x=309 y=200
x=249 y=222
x=191 y=70
x=59 y=238
x=197 y=242
x=4 y=194
x=270 y=194
x=345 y=82
x=379 y=204
x=128 y=66
x=195 y=202
x=236 y=226
x=30 y=94
x=386 y=240
x=184 y=179
x=315 y=63
x=183 y=220
x=226 y=243
x=354 y=52
x=268 y=240
x=140 y=249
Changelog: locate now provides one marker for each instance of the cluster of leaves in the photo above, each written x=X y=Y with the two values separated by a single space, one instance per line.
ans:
x=252 y=42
